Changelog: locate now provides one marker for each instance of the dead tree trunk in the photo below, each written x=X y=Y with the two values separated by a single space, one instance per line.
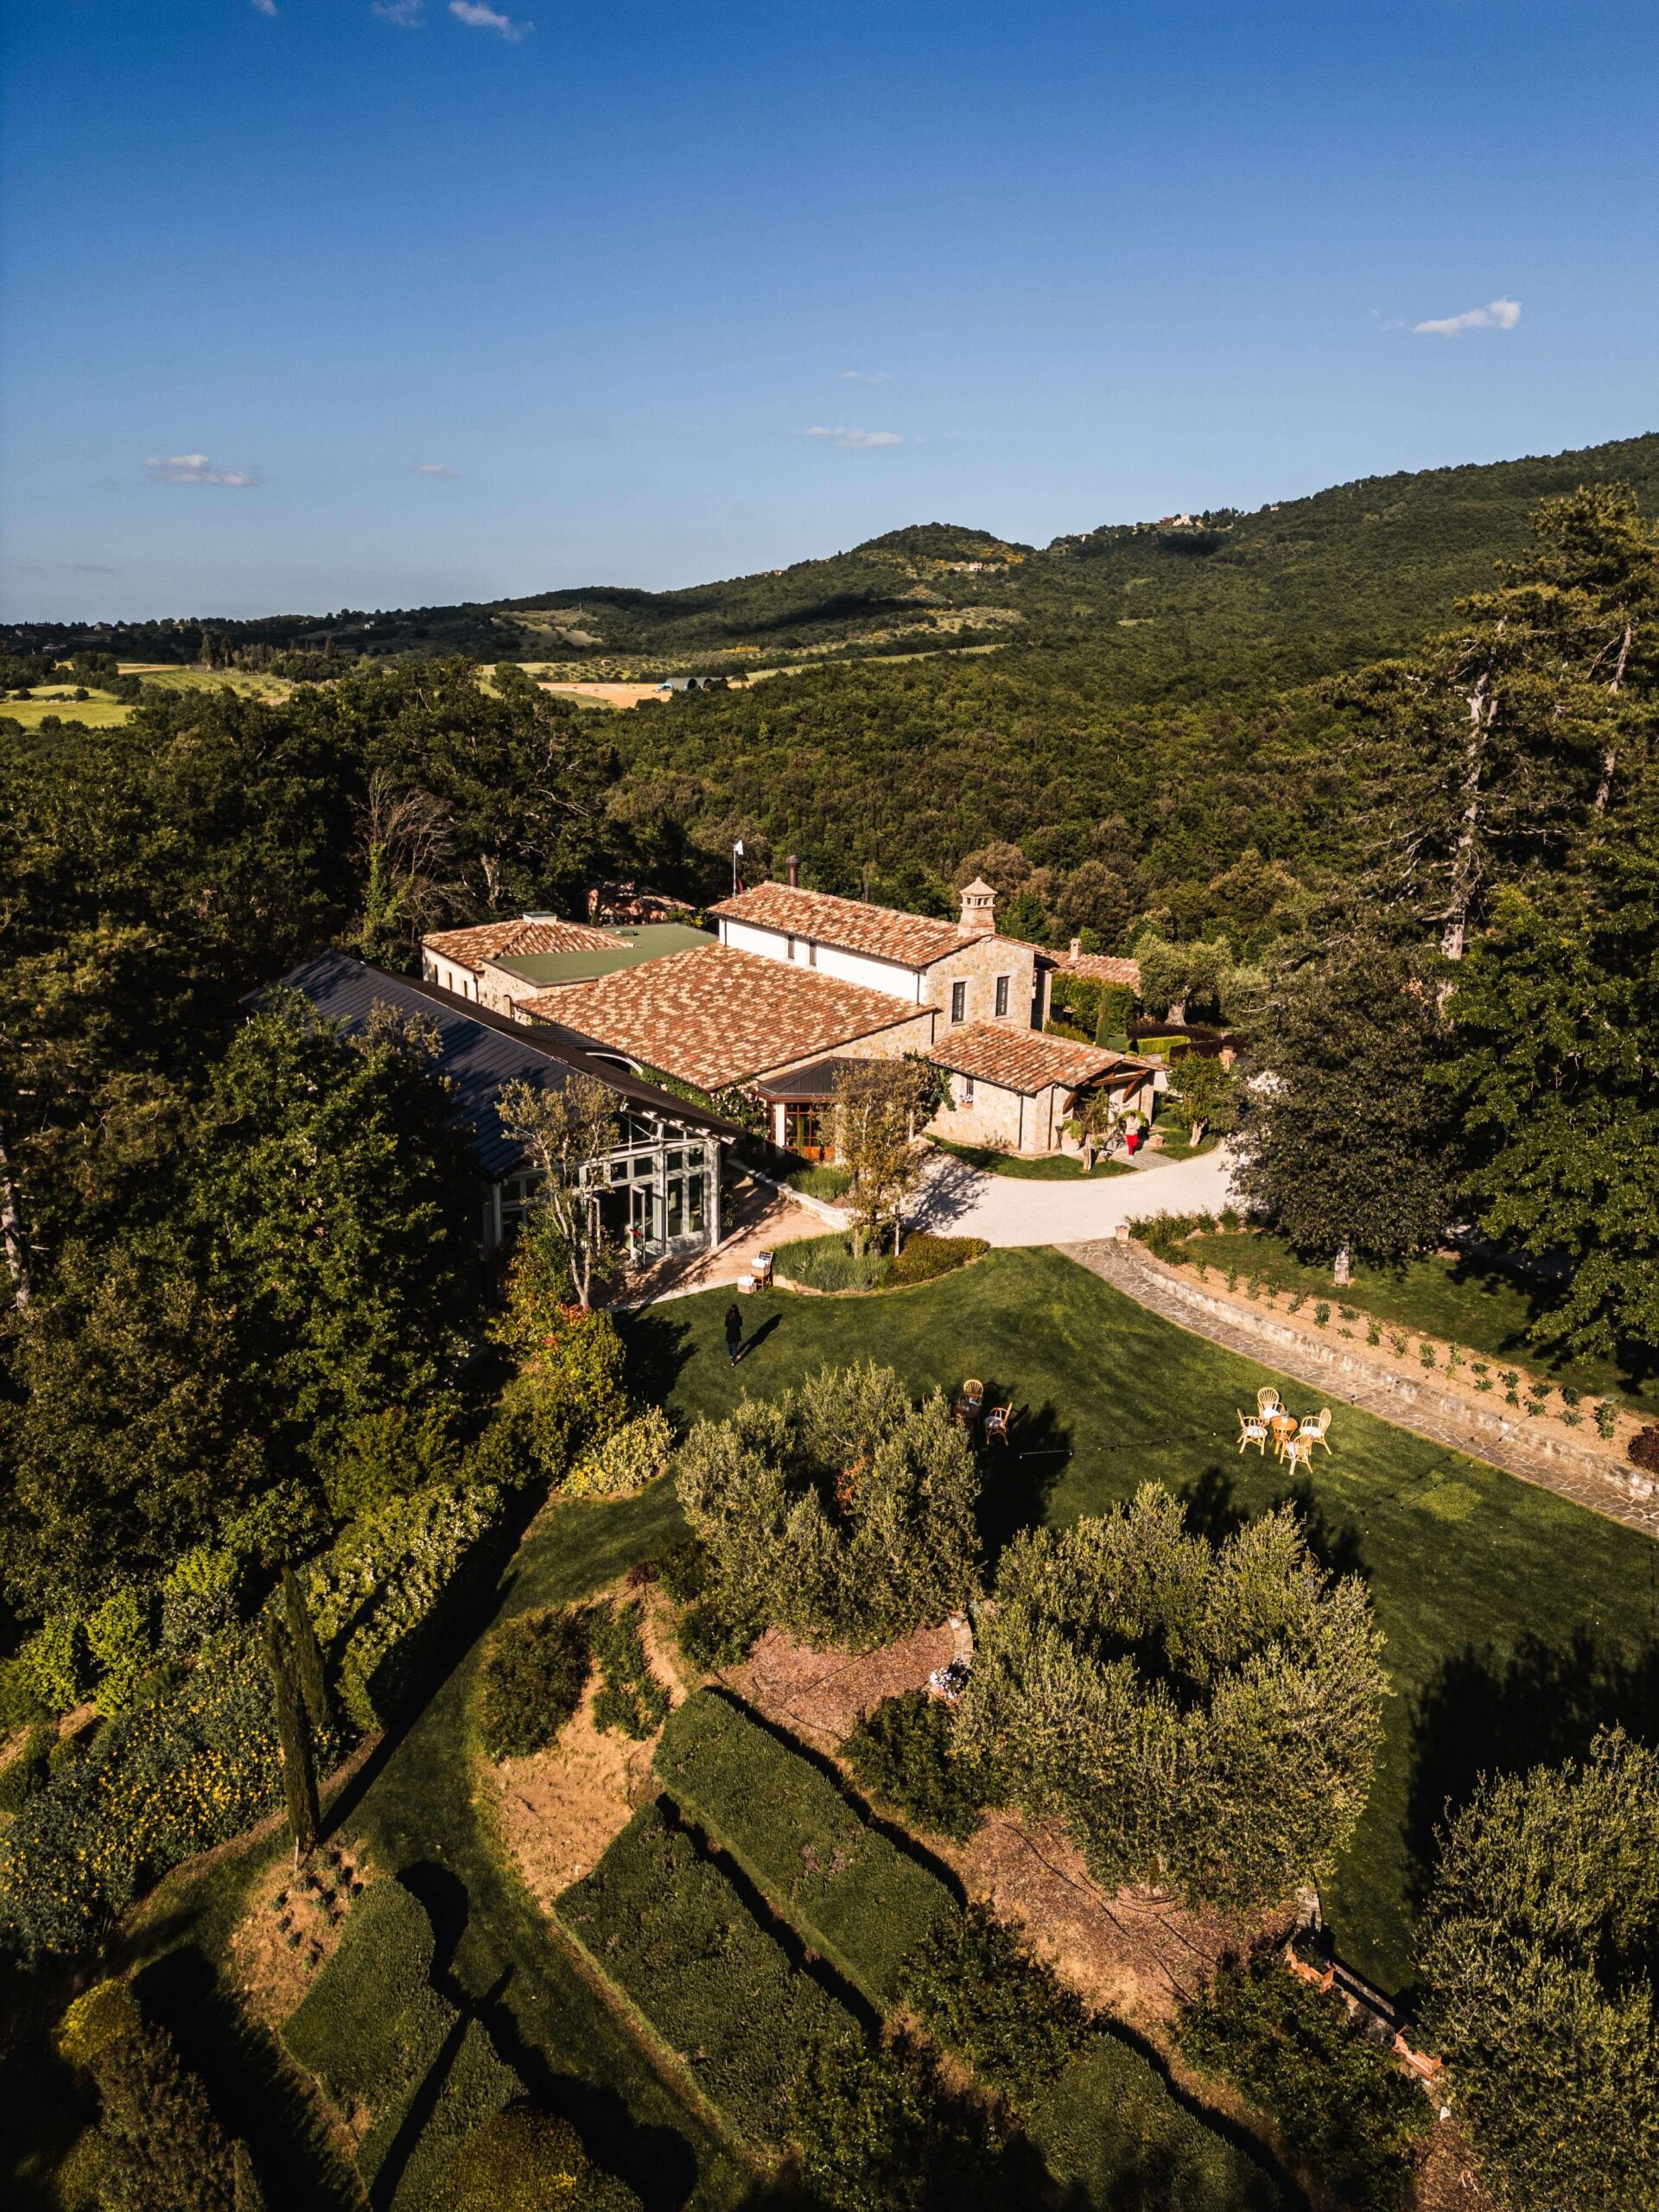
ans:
x=11 y=1232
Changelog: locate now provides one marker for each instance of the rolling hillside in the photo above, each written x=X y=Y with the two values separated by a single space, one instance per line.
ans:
x=1225 y=600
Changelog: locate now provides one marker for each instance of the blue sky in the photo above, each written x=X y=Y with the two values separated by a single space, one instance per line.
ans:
x=487 y=298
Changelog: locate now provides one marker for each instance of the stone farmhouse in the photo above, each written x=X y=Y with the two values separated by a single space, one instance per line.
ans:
x=797 y=983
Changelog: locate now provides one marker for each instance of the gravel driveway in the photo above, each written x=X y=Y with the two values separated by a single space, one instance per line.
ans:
x=958 y=1201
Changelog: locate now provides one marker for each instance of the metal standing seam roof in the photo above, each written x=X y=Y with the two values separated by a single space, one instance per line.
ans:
x=480 y=1052
x=813 y=1083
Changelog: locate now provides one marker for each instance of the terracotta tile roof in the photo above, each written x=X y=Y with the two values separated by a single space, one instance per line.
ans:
x=1023 y=1060
x=715 y=1015
x=1100 y=967
x=912 y=940
x=516 y=939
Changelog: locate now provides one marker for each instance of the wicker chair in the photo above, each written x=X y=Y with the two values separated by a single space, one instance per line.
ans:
x=1298 y=1451
x=996 y=1424
x=1315 y=1428
x=1267 y=1401
x=1252 y=1429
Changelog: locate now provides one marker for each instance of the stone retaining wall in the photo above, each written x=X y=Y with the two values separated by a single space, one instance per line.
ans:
x=1557 y=1462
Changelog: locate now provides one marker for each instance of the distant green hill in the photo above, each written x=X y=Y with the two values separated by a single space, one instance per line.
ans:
x=1228 y=601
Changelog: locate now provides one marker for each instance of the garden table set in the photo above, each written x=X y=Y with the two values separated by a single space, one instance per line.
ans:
x=1292 y=1439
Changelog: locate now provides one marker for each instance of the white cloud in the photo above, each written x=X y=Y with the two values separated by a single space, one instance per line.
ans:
x=435 y=468
x=861 y=376
x=1497 y=314
x=854 y=441
x=482 y=18
x=404 y=13
x=262 y=7
x=191 y=468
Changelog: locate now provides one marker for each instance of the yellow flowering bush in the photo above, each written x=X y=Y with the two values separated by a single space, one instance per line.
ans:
x=627 y=1459
x=154 y=1787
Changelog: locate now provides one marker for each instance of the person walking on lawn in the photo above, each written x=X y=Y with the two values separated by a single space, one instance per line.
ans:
x=733 y=1331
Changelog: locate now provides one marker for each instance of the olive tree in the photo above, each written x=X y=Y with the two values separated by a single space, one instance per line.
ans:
x=566 y=1132
x=841 y=1511
x=1202 y=1716
x=1537 y=1959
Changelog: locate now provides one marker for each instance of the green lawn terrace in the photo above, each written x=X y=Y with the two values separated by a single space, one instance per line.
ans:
x=1486 y=1308
x=1515 y=1620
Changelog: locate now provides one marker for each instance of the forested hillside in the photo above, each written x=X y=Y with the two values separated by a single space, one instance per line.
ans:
x=1224 y=601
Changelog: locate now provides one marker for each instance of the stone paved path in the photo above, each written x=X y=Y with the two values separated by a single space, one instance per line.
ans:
x=1287 y=1352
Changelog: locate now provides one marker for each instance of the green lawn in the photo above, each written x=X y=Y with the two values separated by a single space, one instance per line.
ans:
x=1054 y=1167
x=1515 y=1620
x=1174 y=1148
x=99 y=712
x=1485 y=1309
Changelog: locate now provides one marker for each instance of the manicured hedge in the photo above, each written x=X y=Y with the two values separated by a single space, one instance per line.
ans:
x=522 y=2160
x=536 y=1667
x=659 y=1918
x=854 y=1895
x=380 y=2039
x=387 y=1595
x=475 y=2085
x=1113 y=2136
x=372 y=2024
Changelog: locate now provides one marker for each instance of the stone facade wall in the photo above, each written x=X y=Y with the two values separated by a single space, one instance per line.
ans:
x=913 y=1036
x=1005 y=1120
x=978 y=964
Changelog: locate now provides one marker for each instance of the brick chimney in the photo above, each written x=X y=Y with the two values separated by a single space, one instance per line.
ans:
x=978 y=902
x=793 y=864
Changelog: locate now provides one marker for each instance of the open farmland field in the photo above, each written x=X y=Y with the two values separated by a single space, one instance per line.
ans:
x=98 y=711
x=1515 y=1620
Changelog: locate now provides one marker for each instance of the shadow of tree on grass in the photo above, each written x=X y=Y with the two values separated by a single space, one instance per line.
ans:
x=1492 y=1713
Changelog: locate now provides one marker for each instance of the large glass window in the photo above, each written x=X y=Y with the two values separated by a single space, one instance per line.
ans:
x=695 y=1219
x=676 y=1207
x=803 y=1130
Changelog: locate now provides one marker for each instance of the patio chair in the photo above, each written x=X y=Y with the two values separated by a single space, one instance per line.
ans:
x=996 y=1424
x=1315 y=1428
x=973 y=1392
x=1267 y=1401
x=1252 y=1429
x=1298 y=1451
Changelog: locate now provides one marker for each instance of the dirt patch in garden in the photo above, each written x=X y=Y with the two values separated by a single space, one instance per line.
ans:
x=822 y=1695
x=293 y=1924
x=1448 y=2180
x=1130 y=1952
x=560 y=1809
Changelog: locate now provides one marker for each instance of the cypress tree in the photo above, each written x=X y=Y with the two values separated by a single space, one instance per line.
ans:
x=299 y=1775
x=307 y=1659
x=247 y=2195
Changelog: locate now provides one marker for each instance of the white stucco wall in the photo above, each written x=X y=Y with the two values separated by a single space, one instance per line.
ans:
x=889 y=976
x=448 y=975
